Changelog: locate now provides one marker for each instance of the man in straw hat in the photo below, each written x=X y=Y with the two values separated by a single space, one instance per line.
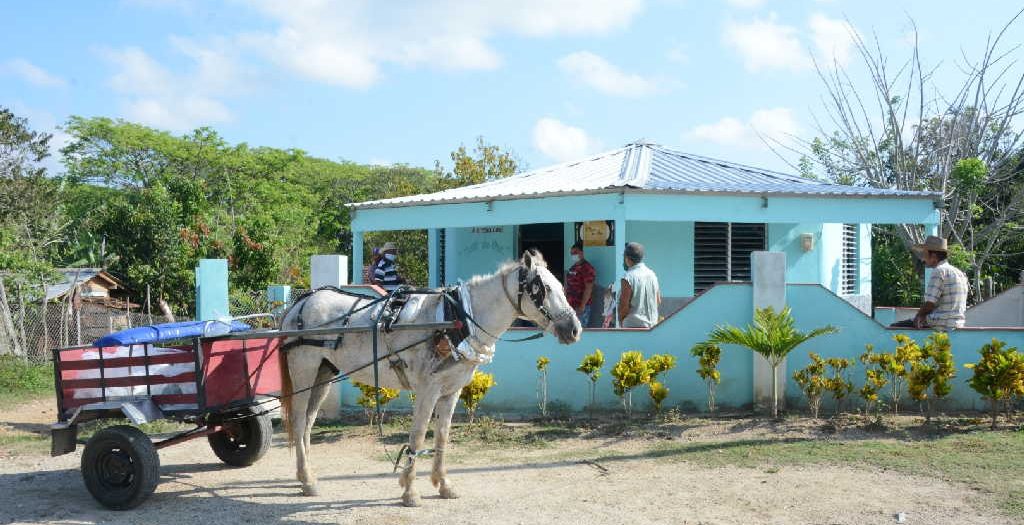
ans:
x=945 y=299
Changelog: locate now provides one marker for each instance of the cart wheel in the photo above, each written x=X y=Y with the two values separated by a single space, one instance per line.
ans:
x=120 y=467
x=243 y=441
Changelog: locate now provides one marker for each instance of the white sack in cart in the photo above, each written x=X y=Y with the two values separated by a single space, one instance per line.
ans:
x=165 y=370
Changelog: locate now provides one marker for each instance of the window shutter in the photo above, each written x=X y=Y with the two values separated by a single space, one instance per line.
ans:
x=441 y=241
x=722 y=252
x=848 y=273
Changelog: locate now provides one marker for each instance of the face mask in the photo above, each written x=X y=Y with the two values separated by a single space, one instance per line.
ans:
x=575 y=257
x=390 y=256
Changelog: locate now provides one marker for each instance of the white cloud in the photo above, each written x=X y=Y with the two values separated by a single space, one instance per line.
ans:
x=561 y=142
x=773 y=124
x=31 y=73
x=833 y=38
x=746 y=4
x=766 y=44
x=604 y=76
x=347 y=43
x=179 y=102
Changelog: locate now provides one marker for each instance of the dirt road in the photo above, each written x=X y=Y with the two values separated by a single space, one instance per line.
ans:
x=498 y=486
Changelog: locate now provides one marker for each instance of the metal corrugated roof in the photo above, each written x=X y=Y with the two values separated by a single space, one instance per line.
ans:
x=643 y=167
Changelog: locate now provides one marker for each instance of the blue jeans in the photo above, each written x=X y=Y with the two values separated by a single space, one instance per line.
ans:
x=585 y=317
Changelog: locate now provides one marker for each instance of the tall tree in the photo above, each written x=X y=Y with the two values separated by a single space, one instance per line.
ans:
x=906 y=132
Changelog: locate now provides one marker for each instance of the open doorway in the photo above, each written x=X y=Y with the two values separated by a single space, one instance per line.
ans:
x=549 y=239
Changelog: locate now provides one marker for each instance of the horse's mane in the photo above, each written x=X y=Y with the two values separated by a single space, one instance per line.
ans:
x=506 y=266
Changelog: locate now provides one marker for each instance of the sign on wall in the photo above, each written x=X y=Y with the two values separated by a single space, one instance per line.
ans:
x=596 y=233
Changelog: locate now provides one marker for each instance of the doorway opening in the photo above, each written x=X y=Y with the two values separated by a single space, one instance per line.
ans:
x=549 y=240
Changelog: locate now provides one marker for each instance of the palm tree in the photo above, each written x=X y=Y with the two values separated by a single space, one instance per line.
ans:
x=773 y=336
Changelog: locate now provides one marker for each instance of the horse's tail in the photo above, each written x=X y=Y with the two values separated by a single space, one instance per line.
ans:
x=286 y=396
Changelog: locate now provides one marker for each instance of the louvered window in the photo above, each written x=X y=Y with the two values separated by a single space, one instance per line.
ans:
x=722 y=252
x=848 y=282
x=441 y=241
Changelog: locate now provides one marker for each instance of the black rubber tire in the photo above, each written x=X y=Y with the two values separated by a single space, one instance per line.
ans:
x=120 y=467
x=243 y=441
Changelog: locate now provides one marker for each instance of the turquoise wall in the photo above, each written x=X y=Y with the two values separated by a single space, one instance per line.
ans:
x=477 y=251
x=812 y=305
x=801 y=266
x=669 y=252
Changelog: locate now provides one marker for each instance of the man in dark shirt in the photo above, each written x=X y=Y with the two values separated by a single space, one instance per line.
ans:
x=579 y=284
x=385 y=272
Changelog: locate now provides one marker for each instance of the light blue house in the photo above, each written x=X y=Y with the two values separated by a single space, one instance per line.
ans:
x=700 y=220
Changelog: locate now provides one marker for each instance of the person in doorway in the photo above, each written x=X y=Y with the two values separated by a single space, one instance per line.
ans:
x=385 y=272
x=945 y=298
x=579 y=283
x=640 y=294
x=367 y=269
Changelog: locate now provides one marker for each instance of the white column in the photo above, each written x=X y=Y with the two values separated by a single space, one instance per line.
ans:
x=620 y=249
x=929 y=229
x=357 y=257
x=768 y=273
x=433 y=258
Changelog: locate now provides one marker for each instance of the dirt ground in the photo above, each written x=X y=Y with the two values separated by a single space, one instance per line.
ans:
x=549 y=484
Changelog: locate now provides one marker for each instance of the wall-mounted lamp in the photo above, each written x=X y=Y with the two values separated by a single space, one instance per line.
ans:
x=490 y=205
x=807 y=241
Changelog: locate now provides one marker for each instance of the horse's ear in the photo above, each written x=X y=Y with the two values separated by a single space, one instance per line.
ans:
x=527 y=259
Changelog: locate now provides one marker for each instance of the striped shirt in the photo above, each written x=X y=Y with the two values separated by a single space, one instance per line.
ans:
x=947 y=289
x=385 y=274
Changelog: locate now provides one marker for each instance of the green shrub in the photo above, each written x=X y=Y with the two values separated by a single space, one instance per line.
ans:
x=998 y=375
x=475 y=391
x=708 y=355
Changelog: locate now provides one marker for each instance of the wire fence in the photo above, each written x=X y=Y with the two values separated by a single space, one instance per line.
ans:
x=30 y=329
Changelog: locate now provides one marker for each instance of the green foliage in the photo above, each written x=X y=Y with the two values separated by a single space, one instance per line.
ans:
x=998 y=375
x=658 y=393
x=542 y=364
x=773 y=336
x=368 y=399
x=970 y=174
x=630 y=372
x=895 y=367
x=489 y=163
x=874 y=379
x=475 y=391
x=933 y=370
x=20 y=378
x=708 y=355
x=591 y=366
x=812 y=380
x=838 y=384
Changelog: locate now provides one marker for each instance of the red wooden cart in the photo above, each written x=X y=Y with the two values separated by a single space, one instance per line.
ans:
x=217 y=384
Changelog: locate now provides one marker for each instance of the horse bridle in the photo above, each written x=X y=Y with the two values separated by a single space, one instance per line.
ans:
x=537 y=292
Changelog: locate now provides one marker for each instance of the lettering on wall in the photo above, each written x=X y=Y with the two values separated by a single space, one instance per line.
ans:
x=487 y=229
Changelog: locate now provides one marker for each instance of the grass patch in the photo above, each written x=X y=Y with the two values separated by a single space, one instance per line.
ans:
x=21 y=379
x=990 y=462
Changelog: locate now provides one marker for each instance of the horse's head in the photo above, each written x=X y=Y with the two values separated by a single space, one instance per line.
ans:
x=545 y=303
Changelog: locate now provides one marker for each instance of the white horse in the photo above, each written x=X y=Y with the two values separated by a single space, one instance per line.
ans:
x=495 y=301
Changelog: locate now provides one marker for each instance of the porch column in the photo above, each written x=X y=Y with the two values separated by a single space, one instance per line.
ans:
x=620 y=249
x=357 y=257
x=768 y=273
x=433 y=258
x=929 y=229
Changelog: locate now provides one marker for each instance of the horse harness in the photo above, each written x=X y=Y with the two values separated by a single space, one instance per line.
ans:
x=444 y=340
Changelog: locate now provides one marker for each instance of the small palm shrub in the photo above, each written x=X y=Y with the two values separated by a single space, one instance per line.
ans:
x=998 y=375
x=812 y=379
x=368 y=400
x=591 y=366
x=542 y=385
x=774 y=336
x=708 y=356
x=933 y=370
x=475 y=391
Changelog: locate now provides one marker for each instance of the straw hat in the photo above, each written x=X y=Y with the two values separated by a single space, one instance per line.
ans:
x=931 y=244
x=388 y=247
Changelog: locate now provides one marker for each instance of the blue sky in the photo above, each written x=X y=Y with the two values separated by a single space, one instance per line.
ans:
x=410 y=81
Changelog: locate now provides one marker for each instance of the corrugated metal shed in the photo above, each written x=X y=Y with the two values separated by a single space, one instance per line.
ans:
x=642 y=167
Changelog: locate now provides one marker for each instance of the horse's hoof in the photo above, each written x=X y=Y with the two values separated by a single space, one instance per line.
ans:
x=411 y=499
x=449 y=492
x=310 y=490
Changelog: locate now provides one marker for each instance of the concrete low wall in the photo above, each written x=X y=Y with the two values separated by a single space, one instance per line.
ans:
x=812 y=305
